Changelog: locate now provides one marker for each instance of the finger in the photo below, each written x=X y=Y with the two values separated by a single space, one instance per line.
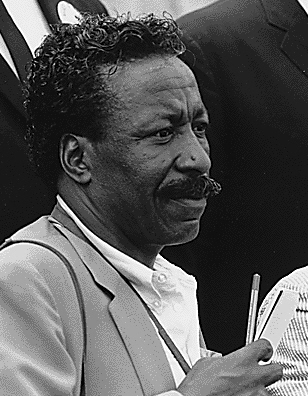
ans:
x=253 y=392
x=268 y=350
x=270 y=373
x=261 y=350
x=263 y=392
x=252 y=353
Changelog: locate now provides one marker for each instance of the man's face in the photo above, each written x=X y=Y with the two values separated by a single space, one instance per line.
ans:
x=156 y=142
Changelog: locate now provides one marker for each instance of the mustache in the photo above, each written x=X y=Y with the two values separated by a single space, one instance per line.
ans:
x=198 y=187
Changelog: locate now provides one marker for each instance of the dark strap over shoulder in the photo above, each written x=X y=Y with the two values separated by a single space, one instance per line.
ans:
x=72 y=273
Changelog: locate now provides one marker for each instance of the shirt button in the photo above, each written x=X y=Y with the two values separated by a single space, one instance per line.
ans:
x=162 y=278
x=156 y=304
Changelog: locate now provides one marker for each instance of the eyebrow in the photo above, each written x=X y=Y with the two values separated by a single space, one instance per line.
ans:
x=175 y=116
x=200 y=111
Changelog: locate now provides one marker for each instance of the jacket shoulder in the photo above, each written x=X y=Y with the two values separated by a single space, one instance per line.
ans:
x=220 y=15
x=35 y=284
x=296 y=280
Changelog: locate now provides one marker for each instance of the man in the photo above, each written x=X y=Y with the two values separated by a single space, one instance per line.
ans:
x=256 y=52
x=87 y=303
x=24 y=196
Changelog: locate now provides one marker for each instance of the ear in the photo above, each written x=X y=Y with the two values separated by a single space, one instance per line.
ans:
x=74 y=157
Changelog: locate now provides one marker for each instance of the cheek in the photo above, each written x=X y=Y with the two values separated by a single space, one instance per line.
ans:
x=136 y=171
x=142 y=169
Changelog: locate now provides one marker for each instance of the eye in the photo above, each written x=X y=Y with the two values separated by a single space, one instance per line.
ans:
x=201 y=129
x=164 y=134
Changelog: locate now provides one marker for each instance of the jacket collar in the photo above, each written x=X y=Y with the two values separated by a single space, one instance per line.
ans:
x=289 y=16
x=129 y=315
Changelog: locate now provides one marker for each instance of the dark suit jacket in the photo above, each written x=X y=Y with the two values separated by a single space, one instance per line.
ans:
x=23 y=197
x=42 y=339
x=256 y=52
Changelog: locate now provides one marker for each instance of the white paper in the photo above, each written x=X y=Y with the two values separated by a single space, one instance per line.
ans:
x=277 y=316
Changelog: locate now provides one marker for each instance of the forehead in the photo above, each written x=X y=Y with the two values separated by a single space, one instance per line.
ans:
x=158 y=82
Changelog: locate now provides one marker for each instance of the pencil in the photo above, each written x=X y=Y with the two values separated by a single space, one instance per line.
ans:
x=251 y=326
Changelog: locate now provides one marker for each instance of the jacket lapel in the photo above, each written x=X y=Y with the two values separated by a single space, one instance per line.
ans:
x=288 y=16
x=141 y=340
x=129 y=315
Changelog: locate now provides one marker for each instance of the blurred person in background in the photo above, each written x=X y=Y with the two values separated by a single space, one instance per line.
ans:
x=257 y=54
x=291 y=350
x=24 y=196
x=174 y=7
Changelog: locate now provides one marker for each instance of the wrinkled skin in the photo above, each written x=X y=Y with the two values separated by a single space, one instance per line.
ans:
x=158 y=137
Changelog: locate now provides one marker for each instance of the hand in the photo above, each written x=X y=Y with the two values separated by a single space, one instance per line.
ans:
x=236 y=374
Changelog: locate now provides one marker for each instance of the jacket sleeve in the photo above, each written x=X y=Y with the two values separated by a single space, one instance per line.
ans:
x=33 y=357
x=292 y=350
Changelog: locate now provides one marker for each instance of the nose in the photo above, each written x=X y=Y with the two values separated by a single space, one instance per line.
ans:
x=194 y=156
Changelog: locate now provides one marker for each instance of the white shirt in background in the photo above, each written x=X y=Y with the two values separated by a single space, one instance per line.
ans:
x=30 y=21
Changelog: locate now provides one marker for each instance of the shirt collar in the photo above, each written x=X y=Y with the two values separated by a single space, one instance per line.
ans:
x=137 y=273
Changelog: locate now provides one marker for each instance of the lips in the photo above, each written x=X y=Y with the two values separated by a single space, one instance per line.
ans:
x=193 y=203
x=183 y=209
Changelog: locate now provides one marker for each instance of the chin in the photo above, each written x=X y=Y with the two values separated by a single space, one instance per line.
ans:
x=186 y=233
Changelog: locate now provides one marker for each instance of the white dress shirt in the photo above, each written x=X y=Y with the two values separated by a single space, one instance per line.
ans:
x=167 y=290
x=32 y=24
x=30 y=21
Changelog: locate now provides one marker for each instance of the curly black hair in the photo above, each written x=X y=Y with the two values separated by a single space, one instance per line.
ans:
x=67 y=88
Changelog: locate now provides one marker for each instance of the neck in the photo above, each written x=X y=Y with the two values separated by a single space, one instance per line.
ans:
x=101 y=224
